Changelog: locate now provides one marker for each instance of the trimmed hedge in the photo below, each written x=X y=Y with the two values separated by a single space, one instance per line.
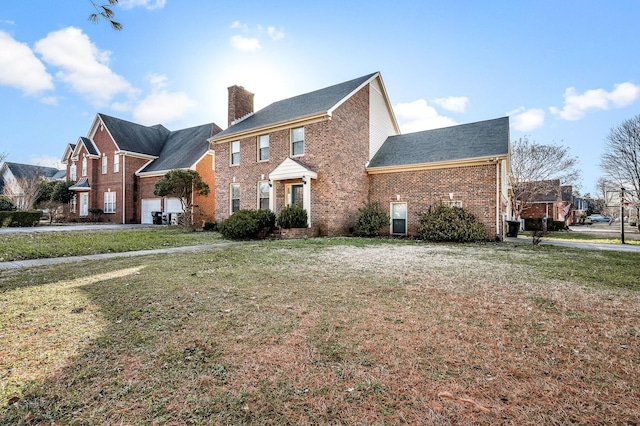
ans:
x=245 y=224
x=445 y=223
x=17 y=218
x=6 y=205
x=536 y=225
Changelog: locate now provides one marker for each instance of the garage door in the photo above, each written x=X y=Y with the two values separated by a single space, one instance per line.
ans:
x=172 y=205
x=150 y=205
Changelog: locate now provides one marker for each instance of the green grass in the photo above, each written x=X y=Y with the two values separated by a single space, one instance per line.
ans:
x=325 y=331
x=36 y=245
x=600 y=237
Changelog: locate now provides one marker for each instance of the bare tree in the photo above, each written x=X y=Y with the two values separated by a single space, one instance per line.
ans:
x=106 y=12
x=24 y=192
x=534 y=167
x=621 y=159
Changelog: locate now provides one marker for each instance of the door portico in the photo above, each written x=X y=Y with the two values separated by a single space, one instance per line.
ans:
x=291 y=169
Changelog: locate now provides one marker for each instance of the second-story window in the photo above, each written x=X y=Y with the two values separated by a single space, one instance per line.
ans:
x=84 y=166
x=72 y=172
x=235 y=153
x=297 y=141
x=263 y=148
x=116 y=163
x=104 y=164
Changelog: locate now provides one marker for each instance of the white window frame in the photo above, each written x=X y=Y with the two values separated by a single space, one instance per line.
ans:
x=261 y=193
x=73 y=203
x=406 y=213
x=73 y=174
x=116 y=163
x=231 y=197
x=84 y=166
x=232 y=160
x=109 y=202
x=295 y=141
x=104 y=164
x=261 y=139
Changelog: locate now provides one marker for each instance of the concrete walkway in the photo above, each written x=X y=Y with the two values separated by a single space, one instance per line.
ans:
x=633 y=248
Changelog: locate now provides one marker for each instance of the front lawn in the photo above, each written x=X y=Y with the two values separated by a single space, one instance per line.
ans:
x=325 y=331
x=37 y=245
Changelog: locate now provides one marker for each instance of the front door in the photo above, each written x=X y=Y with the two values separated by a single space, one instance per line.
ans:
x=84 y=204
x=297 y=195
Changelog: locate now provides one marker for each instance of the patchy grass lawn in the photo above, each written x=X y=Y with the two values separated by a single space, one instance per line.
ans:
x=632 y=236
x=37 y=245
x=339 y=331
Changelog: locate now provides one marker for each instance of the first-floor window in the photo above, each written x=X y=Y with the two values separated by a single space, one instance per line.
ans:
x=109 y=202
x=398 y=218
x=263 y=195
x=452 y=203
x=235 y=197
x=73 y=203
x=84 y=204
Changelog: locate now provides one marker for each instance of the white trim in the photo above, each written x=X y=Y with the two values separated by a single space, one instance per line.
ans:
x=406 y=213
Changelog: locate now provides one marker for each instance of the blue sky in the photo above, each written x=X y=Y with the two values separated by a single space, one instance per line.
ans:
x=565 y=72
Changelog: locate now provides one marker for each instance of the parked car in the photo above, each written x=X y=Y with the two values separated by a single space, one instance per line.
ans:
x=595 y=218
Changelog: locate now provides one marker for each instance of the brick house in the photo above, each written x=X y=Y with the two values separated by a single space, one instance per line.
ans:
x=116 y=166
x=554 y=203
x=334 y=149
x=18 y=180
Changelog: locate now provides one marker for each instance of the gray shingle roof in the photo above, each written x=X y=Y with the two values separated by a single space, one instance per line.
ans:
x=136 y=138
x=311 y=103
x=482 y=139
x=28 y=171
x=91 y=148
x=81 y=185
x=183 y=148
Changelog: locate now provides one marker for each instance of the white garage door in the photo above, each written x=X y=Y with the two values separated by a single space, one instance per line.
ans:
x=150 y=205
x=172 y=205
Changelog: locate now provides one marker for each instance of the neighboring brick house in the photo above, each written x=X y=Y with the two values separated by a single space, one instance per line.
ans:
x=116 y=166
x=334 y=149
x=17 y=181
x=554 y=204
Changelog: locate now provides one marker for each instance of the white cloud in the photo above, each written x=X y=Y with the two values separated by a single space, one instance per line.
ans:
x=162 y=106
x=238 y=25
x=149 y=4
x=20 y=68
x=419 y=115
x=275 y=34
x=576 y=105
x=82 y=65
x=247 y=44
x=453 y=103
x=525 y=120
x=46 y=161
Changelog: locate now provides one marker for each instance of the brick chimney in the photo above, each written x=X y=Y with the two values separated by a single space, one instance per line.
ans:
x=240 y=103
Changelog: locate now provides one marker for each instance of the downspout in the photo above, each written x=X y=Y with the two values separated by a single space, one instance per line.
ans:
x=124 y=169
x=497 y=197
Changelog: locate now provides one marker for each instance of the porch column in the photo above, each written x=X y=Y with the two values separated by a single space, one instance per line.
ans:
x=272 y=196
x=306 y=200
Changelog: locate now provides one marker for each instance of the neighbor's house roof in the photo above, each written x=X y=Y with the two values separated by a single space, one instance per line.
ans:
x=319 y=103
x=478 y=141
x=27 y=171
x=182 y=149
x=547 y=191
x=164 y=149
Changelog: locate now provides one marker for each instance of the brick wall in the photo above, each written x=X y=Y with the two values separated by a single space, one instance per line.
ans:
x=336 y=149
x=475 y=186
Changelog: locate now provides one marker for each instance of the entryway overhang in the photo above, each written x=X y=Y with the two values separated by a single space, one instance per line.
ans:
x=292 y=169
x=81 y=185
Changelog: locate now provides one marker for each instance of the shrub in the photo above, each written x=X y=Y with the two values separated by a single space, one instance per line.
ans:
x=16 y=218
x=245 y=224
x=445 y=223
x=6 y=205
x=292 y=216
x=371 y=218
x=210 y=227
x=535 y=224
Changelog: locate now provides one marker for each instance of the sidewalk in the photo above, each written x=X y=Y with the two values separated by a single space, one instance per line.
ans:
x=632 y=248
x=57 y=260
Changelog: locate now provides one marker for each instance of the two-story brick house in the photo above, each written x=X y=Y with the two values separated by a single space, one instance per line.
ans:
x=116 y=165
x=336 y=148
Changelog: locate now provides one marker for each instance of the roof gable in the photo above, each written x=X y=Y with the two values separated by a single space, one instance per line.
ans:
x=466 y=141
x=132 y=137
x=322 y=101
x=29 y=171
